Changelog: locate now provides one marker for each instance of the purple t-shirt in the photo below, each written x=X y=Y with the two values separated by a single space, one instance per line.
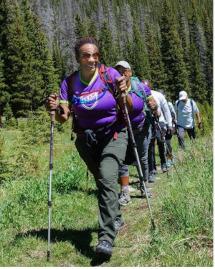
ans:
x=138 y=91
x=94 y=104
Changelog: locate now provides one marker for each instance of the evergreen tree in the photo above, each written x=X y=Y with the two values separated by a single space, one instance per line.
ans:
x=198 y=58
x=129 y=53
x=92 y=31
x=172 y=53
x=4 y=95
x=141 y=65
x=195 y=32
x=196 y=76
x=46 y=77
x=58 y=59
x=208 y=30
x=184 y=36
x=18 y=60
x=154 y=55
x=107 y=46
x=81 y=28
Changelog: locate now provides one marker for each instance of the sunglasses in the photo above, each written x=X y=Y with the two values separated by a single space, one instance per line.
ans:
x=87 y=56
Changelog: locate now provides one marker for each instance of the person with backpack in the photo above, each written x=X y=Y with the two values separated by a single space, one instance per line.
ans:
x=94 y=94
x=186 y=109
x=140 y=117
x=161 y=127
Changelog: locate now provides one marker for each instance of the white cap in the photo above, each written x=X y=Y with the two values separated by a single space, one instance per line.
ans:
x=123 y=64
x=182 y=95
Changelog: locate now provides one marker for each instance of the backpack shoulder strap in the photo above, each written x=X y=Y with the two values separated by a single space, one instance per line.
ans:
x=191 y=101
x=106 y=78
x=177 y=103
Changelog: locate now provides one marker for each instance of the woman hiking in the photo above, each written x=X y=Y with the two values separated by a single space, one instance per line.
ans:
x=95 y=97
x=140 y=116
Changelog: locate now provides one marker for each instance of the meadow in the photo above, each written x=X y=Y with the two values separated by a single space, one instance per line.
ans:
x=182 y=204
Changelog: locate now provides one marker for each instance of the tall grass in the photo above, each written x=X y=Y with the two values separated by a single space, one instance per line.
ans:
x=182 y=207
x=187 y=206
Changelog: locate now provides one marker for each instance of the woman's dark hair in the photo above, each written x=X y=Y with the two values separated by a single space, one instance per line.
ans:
x=82 y=41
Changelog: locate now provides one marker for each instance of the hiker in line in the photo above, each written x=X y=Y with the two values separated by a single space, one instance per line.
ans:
x=168 y=137
x=186 y=109
x=140 y=117
x=165 y=123
x=94 y=92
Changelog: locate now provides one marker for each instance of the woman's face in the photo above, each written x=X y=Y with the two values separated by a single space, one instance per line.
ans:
x=88 y=57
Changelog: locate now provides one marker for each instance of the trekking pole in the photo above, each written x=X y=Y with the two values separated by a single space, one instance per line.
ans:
x=139 y=168
x=52 y=116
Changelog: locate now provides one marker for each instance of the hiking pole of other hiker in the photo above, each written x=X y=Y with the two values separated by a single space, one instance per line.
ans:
x=139 y=168
x=52 y=116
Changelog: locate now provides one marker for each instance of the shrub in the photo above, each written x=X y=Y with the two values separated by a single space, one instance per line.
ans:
x=73 y=176
x=5 y=167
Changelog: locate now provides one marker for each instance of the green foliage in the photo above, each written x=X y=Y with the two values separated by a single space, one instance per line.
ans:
x=206 y=111
x=19 y=208
x=43 y=63
x=187 y=207
x=181 y=29
x=80 y=27
x=35 y=130
x=28 y=68
x=207 y=24
x=154 y=56
x=10 y=121
x=5 y=167
x=172 y=53
x=107 y=46
x=196 y=76
x=58 y=60
x=73 y=177
x=141 y=66
x=4 y=95
x=182 y=212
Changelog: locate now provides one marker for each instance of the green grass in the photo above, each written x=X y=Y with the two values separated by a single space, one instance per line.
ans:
x=181 y=204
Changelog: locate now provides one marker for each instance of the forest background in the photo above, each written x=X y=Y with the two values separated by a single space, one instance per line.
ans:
x=169 y=42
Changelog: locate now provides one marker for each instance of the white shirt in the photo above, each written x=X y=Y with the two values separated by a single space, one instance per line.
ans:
x=185 y=113
x=163 y=108
x=172 y=109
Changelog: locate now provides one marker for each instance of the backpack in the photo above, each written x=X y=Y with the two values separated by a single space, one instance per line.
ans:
x=147 y=111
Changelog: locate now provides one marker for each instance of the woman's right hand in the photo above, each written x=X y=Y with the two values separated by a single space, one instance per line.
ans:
x=52 y=102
